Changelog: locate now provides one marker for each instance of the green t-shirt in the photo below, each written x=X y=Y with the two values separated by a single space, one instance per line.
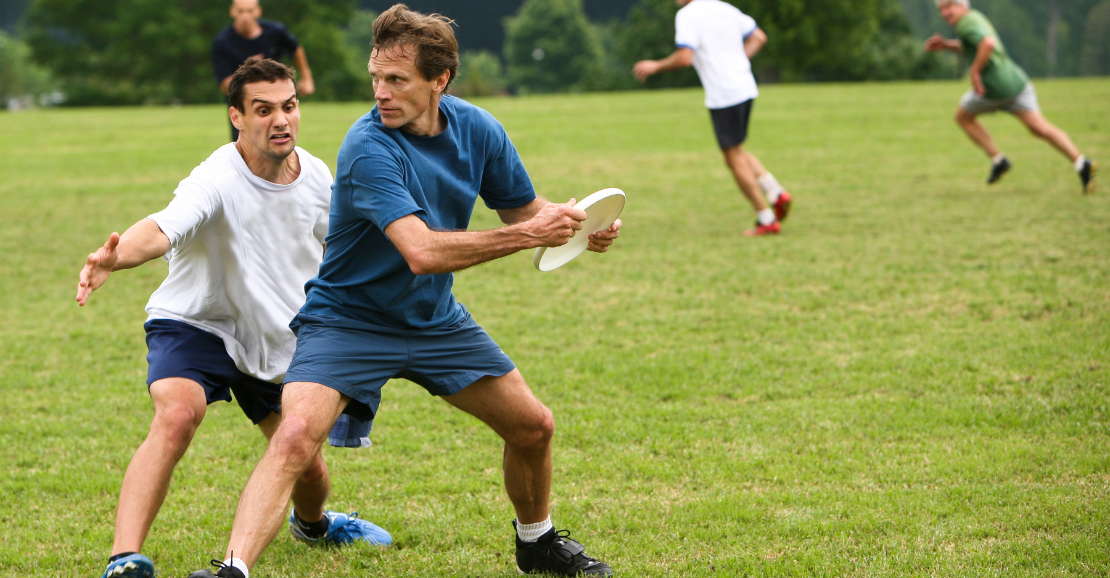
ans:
x=1002 y=77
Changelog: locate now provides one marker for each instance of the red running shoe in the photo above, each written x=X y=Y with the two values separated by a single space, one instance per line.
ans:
x=782 y=206
x=772 y=229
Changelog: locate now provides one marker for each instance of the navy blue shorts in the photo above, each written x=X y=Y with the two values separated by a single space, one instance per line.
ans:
x=177 y=349
x=357 y=359
x=731 y=124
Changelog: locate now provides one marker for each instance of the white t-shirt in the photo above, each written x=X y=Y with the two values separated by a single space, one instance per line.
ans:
x=241 y=250
x=716 y=31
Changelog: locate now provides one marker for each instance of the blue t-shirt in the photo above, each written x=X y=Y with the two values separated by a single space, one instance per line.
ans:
x=230 y=51
x=384 y=174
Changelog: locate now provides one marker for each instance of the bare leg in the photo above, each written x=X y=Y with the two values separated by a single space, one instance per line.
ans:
x=736 y=158
x=179 y=407
x=1041 y=128
x=308 y=412
x=757 y=167
x=977 y=132
x=507 y=405
x=312 y=488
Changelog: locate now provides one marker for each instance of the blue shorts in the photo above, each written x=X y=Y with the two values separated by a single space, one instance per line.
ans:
x=177 y=349
x=356 y=359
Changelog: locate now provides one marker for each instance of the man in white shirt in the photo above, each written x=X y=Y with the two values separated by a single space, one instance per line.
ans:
x=242 y=235
x=719 y=40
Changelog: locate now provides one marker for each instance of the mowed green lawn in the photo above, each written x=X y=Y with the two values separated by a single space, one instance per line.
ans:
x=912 y=380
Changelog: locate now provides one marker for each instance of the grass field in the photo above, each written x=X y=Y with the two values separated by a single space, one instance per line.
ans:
x=912 y=380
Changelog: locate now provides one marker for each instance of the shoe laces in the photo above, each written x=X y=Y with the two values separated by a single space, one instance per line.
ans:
x=220 y=566
x=562 y=545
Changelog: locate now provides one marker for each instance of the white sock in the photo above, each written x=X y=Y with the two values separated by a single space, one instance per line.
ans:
x=1079 y=162
x=241 y=565
x=765 y=217
x=770 y=186
x=532 y=532
x=998 y=158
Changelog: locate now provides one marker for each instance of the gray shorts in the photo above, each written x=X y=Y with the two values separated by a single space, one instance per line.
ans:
x=1025 y=101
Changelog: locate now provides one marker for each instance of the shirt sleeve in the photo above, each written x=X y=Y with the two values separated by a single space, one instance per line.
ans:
x=320 y=228
x=194 y=205
x=505 y=182
x=289 y=43
x=686 y=31
x=970 y=34
x=378 y=191
x=747 y=26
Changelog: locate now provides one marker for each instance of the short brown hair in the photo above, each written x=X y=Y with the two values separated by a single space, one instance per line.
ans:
x=431 y=35
x=255 y=69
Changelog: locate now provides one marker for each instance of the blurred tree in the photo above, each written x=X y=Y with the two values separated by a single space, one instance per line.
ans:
x=480 y=74
x=21 y=81
x=550 y=46
x=131 y=51
x=808 y=40
x=1095 y=58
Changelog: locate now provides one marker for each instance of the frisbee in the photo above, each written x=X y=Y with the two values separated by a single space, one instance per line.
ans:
x=602 y=209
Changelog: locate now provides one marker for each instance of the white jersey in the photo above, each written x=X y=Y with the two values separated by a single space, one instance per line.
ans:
x=716 y=32
x=241 y=250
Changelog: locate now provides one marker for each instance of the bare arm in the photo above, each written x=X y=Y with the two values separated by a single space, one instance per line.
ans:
x=680 y=58
x=427 y=251
x=143 y=242
x=937 y=43
x=223 y=85
x=300 y=61
x=982 y=57
x=599 y=241
x=754 y=43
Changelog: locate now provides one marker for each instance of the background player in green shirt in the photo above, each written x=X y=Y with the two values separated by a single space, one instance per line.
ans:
x=997 y=83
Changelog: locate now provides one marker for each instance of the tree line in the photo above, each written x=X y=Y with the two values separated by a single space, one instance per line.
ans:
x=112 y=52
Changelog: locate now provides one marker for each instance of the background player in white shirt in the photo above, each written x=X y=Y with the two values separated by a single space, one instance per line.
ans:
x=242 y=235
x=719 y=40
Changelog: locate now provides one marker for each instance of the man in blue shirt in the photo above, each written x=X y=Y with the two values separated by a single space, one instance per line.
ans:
x=409 y=173
x=249 y=35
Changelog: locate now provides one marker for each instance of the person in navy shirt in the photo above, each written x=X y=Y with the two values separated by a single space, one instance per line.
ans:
x=409 y=174
x=249 y=35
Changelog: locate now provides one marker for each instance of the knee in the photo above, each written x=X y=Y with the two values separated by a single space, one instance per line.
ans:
x=293 y=444
x=1040 y=130
x=963 y=118
x=535 y=434
x=175 y=426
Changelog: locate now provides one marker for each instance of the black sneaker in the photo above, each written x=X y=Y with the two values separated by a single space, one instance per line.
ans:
x=1087 y=175
x=998 y=169
x=555 y=553
x=224 y=571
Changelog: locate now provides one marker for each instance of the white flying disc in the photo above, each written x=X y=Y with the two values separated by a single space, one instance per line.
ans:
x=602 y=209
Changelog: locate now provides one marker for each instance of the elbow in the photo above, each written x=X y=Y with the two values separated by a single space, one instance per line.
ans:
x=420 y=262
x=686 y=59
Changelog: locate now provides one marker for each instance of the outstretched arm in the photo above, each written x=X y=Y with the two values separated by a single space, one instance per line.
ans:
x=936 y=43
x=680 y=58
x=300 y=61
x=142 y=242
x=427 y=251
x=754 y=42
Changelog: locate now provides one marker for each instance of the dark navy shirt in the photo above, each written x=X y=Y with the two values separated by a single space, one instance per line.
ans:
x=383 y=174
x=230 y=50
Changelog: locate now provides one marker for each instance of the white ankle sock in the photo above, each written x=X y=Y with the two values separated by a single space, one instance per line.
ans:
x=241 y=565
x=1079 y=162
x=765 y=217
x=998 y=158
x=532 y=532
x=770 y=186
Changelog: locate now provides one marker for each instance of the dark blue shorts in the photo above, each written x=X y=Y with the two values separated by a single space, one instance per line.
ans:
x=357 y=359
x=177 y=349
x=731 y=124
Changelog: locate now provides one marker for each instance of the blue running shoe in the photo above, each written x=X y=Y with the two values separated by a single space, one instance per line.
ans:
x=344 y=529
x=133 y=566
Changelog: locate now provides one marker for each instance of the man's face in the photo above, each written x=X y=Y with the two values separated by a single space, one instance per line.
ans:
x=245 y=13
x=952 y=12
x=270 y=119
x=401 y=92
